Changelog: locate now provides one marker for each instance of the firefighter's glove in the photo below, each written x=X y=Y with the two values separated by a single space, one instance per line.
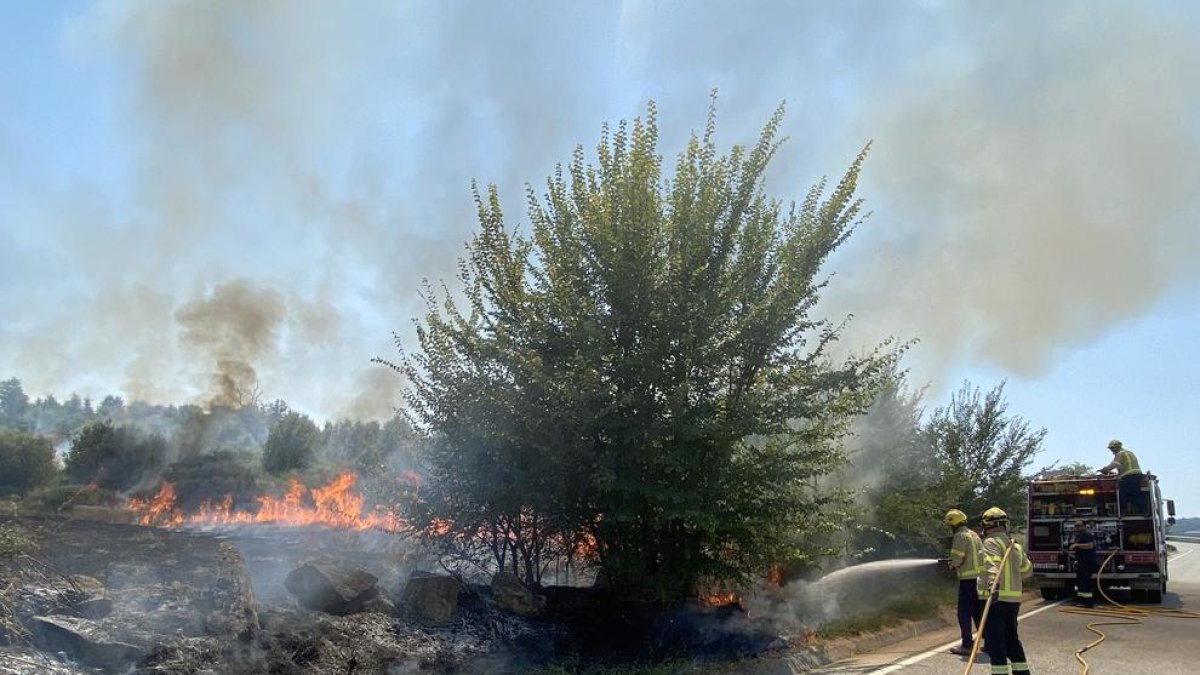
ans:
x=944 y=569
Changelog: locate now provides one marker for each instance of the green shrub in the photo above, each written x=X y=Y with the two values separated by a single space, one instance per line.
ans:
x=113 y=457
x=26 y=460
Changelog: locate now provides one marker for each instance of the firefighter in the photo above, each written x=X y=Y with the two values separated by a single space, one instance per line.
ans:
x=1084 y=547
x=966 y=558
x=1000 y=637
x=1129 y=490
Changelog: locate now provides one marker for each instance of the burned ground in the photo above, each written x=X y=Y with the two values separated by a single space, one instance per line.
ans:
x=176 y=602
x=91 y=596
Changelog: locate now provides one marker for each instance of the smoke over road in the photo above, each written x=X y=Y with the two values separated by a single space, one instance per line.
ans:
x=273 y=180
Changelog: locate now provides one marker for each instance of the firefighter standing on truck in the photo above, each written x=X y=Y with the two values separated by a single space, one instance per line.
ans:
x=966 y=558
x=1000 y=637
x=1129 y=490
x=1084 y=547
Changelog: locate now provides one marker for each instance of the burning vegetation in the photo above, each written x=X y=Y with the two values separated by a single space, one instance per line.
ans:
x=335 y=504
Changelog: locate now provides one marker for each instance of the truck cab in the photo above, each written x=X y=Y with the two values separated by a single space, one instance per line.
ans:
x=1136 y=542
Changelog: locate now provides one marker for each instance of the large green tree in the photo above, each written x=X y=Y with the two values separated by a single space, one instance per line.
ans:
x=639 y=377
x=291 y=444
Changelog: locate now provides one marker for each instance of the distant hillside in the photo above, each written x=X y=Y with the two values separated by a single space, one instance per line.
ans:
x=1186 y=526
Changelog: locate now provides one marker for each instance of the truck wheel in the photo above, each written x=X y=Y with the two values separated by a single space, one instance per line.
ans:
x=1137 y=595
x=1052 y=593
x=1154 y=597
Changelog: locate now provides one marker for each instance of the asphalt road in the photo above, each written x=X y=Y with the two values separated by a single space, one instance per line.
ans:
x=1162 y=646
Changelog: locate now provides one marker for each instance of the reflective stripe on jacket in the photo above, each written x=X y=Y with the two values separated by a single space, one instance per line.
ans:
x=1127 y=463
x=966 y=553
x=1009 y=588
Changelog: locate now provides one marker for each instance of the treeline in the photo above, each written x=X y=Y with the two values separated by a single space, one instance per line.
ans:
x=117 y=446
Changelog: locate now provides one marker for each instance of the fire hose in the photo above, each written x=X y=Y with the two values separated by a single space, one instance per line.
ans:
x=1121 y=615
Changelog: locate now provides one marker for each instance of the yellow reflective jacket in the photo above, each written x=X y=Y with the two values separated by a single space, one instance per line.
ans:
x=1127 y=461
x=966 y=553
x=1017 y=565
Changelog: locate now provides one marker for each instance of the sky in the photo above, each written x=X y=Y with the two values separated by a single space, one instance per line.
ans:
x=202 y=197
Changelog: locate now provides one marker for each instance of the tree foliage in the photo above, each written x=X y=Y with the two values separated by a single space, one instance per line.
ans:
x=26 y=460
x=113 y=457
x=14 y=404
x=970 y=454
x=638 y=378
x=291 y=444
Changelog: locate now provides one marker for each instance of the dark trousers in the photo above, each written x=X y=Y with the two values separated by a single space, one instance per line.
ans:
x=1001 y=640
x=969 y=609
x=1134 y=502
x=1085 y=584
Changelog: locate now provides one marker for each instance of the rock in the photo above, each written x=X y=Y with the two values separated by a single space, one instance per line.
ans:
x=331 y=588
x=75 y=595
x=86 y=641
x=432 y=598
x=234 y=612
x=94 y=608
x=379 y=605
x=511 y=594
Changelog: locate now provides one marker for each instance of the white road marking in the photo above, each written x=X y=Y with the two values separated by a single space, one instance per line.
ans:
x=900 y=665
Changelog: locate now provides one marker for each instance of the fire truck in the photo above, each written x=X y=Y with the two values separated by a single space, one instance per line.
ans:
x=1136 y=542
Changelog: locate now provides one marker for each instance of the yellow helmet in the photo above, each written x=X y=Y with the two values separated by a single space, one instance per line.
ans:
x=994 y=517
x=1114 y=444
x=954 y=518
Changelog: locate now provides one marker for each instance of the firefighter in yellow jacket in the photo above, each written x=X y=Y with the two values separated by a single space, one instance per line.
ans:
x=966 y=559
x=1000 y=637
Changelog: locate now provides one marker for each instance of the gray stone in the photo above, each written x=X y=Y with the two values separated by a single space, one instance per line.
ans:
x=434 y=599
x=86 y=641
x=379 y=605
x=511 y=594
x=331 y=588
x=234 y=610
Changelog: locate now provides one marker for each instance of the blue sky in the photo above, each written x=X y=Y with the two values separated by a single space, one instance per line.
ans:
x=167 y=165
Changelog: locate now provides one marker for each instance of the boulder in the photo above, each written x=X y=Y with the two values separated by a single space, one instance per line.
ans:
x=86 y=641
x=74 y=595
x=379 y=605
x=234 y=610
x=333 y=589
x=511 y=594
x=432 y=598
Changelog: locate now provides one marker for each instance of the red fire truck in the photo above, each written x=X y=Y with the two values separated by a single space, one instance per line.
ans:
x=1137 y=543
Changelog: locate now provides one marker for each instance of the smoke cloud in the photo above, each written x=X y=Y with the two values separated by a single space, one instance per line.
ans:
x=1038 y=188
x=278 y=178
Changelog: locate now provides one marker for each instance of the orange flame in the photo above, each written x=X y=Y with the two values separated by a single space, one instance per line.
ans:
x=719 y=598
x=334 y=504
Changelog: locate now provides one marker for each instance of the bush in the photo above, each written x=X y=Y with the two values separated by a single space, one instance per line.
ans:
x=290 y=444
x=209 y=478
x=113 y=457
x=26 y=460
x=57 y=497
